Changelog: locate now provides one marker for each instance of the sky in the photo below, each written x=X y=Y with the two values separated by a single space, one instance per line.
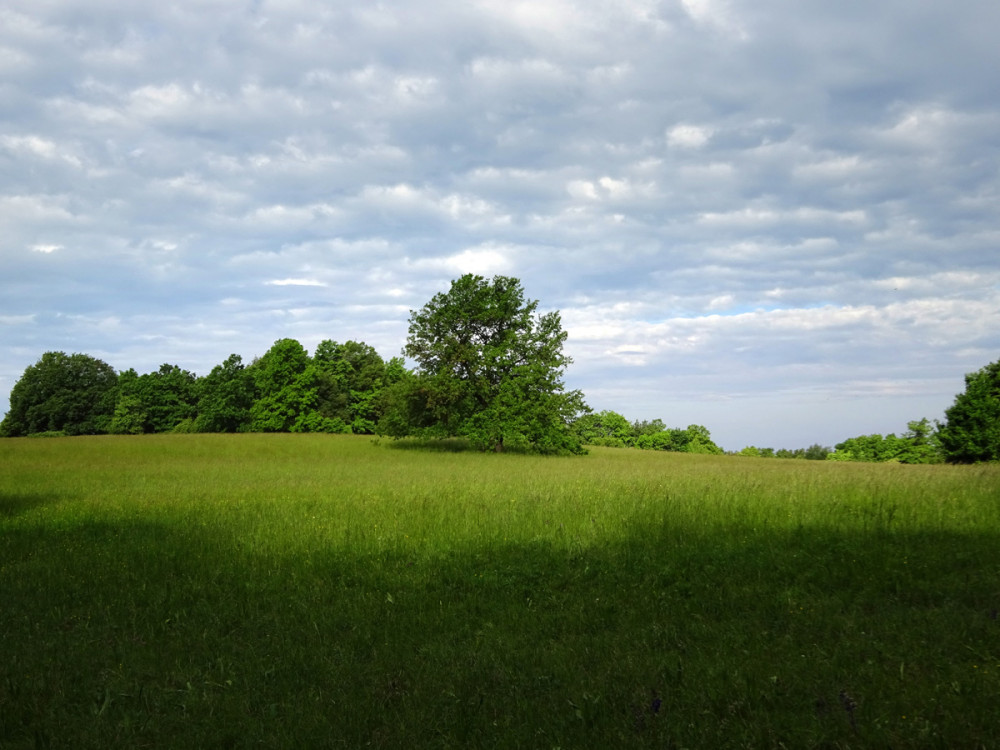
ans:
x=779 y=219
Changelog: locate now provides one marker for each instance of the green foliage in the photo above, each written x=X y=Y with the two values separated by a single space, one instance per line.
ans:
x=130 y=416
x=694 y=439
x=226 y=396
x=612 y=430
x=62 y=393
x=185 y=427
x=647 y=427
x=605 y=428
x=287 y=386
x=814 y=452
x=916 y=446
x=489 y=369
x=972 y=424
x=353 y=379
x=154 y=402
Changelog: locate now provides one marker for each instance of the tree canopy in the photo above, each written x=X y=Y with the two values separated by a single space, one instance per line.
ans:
x=489 y=368
x=70 y=393
x=972 y=424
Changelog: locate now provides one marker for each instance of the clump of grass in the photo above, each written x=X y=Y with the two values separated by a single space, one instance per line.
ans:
x=324 y=591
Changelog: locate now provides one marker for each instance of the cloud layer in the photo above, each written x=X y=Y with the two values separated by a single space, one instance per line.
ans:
x=777 y=219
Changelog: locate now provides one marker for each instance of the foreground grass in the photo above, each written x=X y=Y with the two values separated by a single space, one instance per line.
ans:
x=317 y=591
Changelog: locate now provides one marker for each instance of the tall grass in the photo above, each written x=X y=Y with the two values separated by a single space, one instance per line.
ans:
x=326 y=591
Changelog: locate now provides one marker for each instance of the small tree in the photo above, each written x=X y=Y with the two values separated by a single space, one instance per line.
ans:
x=971 y=431
x=489 y=368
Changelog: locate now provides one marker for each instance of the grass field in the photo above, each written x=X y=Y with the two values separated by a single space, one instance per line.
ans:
x=327 y=591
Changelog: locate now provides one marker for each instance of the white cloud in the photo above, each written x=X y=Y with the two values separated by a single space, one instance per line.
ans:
x=688 y=136
x=715 y=13
x=483 y=261
x=295 y=282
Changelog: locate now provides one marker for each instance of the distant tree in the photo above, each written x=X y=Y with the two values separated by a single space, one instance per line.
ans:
x=225 y=397
x=353 y=377
x=607 y=428
x=816 y=452
x=287 y=389
x=129 y=417
x=489 y=368
x=71 y=393
x=922 y=443
x=700 y=441
x=971 y=431
x=755 y=452
x=913 y=447
x=694 y=439
x=155 y=402
x=869 y=448
x=647 y=427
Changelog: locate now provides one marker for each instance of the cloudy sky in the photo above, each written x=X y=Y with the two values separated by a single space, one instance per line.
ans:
x=776 y=218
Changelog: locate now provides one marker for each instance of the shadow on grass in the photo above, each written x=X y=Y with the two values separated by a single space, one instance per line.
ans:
x=447 y=445
x=163 y=635
x=436 y=445
x=15 y=504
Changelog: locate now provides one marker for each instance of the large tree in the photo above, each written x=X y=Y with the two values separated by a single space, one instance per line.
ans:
x=490 y=369
x=972 y=424
x=71 y=393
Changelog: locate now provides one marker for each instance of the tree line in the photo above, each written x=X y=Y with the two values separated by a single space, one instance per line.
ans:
x=489 y=369
x=340 y=388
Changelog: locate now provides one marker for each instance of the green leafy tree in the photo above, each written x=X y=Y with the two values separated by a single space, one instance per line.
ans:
x=699 y=440
x=70 y=393
x=647 y=427
x=170 y=396
x=971 y=431
x=922 y=444
x=226 y=395
x=916 y=446
x=155 y=402
x=606 y=428
x=815 y=452
x=408 y=406
x=353 y=377
x=870 y=448
x=489 y=368
x=130 y=413
x=287 y=387
x=694 y=439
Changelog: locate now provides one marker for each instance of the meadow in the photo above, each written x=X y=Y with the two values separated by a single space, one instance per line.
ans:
x=237 y=591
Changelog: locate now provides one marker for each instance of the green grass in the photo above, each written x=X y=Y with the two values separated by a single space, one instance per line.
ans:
x=324 y=591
